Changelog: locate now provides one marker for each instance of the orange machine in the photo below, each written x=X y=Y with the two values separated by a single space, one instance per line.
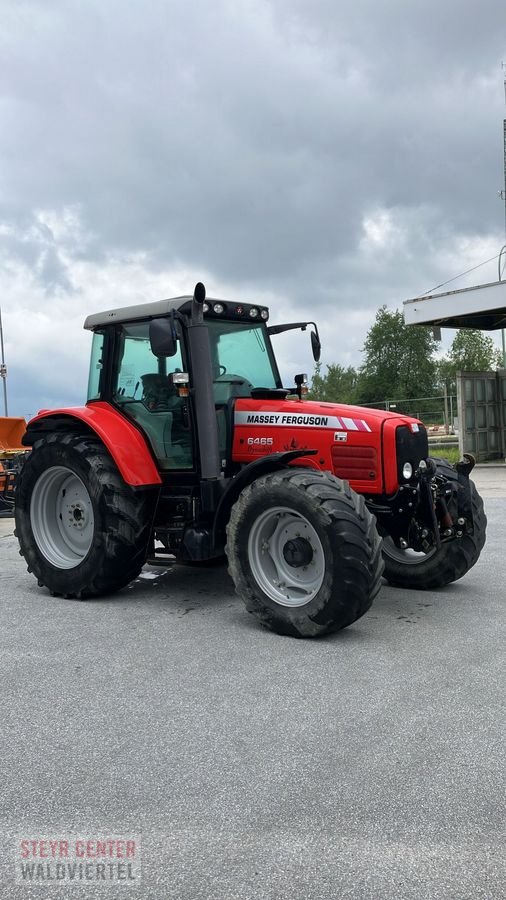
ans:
x=12 y=429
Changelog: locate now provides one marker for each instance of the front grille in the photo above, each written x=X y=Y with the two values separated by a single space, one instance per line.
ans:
x=411 y=446
x=355 y=463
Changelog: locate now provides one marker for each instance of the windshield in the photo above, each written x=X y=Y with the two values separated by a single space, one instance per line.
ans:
x=241 y=349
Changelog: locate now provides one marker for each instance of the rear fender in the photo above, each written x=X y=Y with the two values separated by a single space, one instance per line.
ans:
x=123 y=440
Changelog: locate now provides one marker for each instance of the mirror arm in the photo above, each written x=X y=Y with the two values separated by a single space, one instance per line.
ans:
x=290 y=326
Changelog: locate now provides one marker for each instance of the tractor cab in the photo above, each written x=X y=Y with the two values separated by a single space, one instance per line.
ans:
x=145 y=364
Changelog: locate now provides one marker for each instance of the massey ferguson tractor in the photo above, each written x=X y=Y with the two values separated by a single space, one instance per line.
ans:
x=190 y=448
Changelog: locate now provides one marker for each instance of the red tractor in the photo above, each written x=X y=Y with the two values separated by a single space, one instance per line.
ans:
x=190 y=448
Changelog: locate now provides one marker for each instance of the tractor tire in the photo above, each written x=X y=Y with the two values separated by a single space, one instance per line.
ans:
x=303 y=552
x=435 y=569
x=82 y=531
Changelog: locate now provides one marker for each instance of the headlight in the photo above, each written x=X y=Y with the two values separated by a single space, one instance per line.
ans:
x=218 y=308
x=253 y=312
x=407 y=471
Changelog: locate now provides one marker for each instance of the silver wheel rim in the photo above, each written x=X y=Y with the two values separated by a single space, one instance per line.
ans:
x=61 y=516
x=277 y=533
x=408 y=557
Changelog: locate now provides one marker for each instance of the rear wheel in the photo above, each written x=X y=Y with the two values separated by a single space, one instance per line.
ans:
x=432 y=570
x=303 y=552
x=82 y=530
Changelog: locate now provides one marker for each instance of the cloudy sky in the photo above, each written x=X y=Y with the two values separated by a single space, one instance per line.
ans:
x=320 y=156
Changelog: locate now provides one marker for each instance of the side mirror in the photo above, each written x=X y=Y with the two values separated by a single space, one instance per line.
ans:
x=316 y=347
x=161 y=337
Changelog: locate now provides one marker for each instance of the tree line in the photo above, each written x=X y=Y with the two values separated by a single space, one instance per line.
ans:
x=400 y=363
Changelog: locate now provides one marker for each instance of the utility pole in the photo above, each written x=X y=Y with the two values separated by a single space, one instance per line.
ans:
x=3 y=367
x=503 y=195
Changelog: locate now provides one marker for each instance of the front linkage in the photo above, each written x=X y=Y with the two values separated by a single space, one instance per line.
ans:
x=434 y=527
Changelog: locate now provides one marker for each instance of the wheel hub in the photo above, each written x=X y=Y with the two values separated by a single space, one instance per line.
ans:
x=78 y=515
x=298 y=552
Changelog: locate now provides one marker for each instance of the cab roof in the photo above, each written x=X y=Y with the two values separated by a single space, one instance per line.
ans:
x=142 y=311
x=131 y=313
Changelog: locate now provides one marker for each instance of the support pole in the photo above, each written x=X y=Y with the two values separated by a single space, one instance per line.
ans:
x=3 y=367
x=504 y=198
x=445 y=391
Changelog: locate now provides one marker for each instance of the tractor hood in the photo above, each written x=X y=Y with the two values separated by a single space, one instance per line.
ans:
x=313 y=414
x=360 y=444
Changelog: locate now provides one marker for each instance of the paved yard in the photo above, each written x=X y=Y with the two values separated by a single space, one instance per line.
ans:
x=366 y=765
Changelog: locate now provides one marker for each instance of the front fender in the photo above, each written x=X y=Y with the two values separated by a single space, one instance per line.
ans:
x=249 y=473
x=123 y=440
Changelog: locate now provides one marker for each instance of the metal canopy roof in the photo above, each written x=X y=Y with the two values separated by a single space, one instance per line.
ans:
x=131 y=313
x=482 y=306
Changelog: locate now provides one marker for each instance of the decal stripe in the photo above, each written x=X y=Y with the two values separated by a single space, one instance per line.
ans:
x=285 y=419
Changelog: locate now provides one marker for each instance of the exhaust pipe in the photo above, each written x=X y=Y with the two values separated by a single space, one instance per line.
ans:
x=202 y=385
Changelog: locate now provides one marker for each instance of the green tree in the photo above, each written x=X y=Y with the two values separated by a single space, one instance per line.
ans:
x=399 y=360
x=471 y=351
x=337 y=386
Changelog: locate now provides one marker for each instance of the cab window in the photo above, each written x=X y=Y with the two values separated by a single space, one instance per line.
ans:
x=95 y=375
x=143 y=390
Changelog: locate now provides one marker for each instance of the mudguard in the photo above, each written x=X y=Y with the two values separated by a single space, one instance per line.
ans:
x=255 y=469
x=123 y=440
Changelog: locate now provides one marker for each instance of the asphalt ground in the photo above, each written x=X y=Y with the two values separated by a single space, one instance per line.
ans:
x=365 y=765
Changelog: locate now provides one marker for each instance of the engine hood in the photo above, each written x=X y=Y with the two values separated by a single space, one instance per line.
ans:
x=315 y=414
x=354 y=442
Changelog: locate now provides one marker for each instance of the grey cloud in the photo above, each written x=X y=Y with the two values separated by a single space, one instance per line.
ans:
x=249 y=140
x=31 y=242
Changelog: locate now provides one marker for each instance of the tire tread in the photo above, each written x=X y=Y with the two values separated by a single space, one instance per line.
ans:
x=359 y=552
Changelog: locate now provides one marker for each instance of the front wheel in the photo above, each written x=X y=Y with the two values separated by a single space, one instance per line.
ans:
x=438 y=567
x=303 y=552
x=82 y=531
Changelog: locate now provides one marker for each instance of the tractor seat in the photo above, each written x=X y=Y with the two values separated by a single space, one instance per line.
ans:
x=158 y=394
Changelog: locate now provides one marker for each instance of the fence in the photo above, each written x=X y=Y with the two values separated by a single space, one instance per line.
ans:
x=436 y=413
x=477 y=413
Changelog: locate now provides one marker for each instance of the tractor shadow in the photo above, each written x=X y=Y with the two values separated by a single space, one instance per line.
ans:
x=184 y=588
x=401 y=606
x=179 y=590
